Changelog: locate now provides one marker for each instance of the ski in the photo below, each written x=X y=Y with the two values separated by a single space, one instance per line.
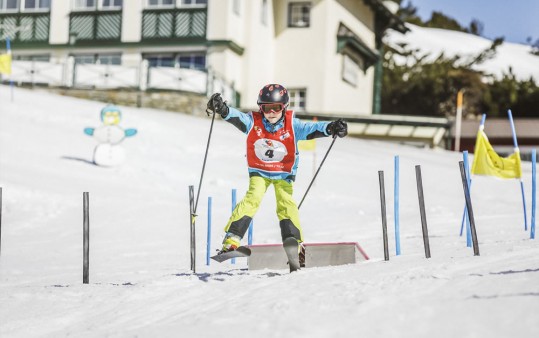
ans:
x=242 y=251
x=290 y=246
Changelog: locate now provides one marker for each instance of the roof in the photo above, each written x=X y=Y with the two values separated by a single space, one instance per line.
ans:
x=500 y=128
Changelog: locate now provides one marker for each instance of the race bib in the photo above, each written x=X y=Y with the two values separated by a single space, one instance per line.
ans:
x=270 y=150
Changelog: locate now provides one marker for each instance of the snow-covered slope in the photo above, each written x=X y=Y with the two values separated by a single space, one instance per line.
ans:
x=140 y=282
x=434 y=41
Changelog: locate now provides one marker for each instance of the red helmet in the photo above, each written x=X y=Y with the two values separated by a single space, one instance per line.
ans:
x=273 y=94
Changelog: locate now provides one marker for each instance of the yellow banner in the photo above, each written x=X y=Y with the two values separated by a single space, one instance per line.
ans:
x=5 y=64
x=488 y=162
x=308 y=145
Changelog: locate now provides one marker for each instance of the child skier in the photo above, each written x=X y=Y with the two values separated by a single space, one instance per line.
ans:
x=272 y=158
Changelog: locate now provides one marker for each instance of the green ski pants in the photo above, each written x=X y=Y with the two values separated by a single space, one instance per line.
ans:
x=287 y=210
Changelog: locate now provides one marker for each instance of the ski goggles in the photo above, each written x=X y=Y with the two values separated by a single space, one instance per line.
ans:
x=267 y=108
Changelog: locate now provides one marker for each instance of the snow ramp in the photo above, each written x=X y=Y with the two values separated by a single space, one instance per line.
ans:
x=272 y=256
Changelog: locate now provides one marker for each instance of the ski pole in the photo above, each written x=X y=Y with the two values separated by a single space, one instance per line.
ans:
x=205 y=158
x=320 y=167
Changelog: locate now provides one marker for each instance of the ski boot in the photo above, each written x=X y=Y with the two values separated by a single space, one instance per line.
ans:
x=230 y=243
x=301 y=248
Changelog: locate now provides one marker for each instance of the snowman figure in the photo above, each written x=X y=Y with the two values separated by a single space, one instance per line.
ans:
x=108 y=152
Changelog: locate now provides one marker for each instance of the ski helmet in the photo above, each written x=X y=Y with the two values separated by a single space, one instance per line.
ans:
x=273 y=93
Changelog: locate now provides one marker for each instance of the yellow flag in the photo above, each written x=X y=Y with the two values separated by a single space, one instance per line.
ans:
x=5 y=64
x=307 y=145
x=488 y=162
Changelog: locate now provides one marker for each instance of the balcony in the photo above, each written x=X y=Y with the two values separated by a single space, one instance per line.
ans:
x=159 y=25
x=92 y=26
x=25 y=28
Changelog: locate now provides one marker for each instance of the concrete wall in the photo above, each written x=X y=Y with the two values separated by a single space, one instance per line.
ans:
x=341 y=96
x=259 y=64
x=182 y=102
x=303 y=68
x=59 y=22
x=132 y=20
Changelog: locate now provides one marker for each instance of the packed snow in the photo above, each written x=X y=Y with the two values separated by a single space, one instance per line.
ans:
x=434 y=41
x=140 y=279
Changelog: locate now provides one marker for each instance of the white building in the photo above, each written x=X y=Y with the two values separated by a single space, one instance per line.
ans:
x=325 y=52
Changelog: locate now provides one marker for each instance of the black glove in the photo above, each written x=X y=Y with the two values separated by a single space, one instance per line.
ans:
x=337 y=128
x=217 y=105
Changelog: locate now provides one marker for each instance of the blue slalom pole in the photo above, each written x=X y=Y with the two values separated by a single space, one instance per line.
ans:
x=481 y=127
x=513 y=131
x=396 y=208
x=233 y=260
x=534 y=192
x=524 y=205
x=208 y=239
x=468 y=229
x=521 y=182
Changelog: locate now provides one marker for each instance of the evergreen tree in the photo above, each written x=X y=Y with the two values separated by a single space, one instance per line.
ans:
x=439 y=20
x=476 y=27
x=422 y=87
x=408 y=13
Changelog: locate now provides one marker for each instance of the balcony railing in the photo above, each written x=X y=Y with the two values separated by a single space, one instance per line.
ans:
x=95 y=26
x=25 y=27
x=166 y=24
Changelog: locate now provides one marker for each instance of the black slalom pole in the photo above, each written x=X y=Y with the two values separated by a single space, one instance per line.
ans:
x=469 y=208
x=320 y=167
x=422 y=210
x=194 y=204
x=383 y=208
x=192 y=221
x=86 y=238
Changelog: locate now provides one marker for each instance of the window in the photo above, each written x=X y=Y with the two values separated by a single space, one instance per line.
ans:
x=9 y=5
x=299 y=14
x=356 y=54
x=297 y=99
x=36 y=5
x=37 y=58
x=111 y=4
x=98 y=59
x=194 y=2
x=160 y=3
x=111 y=59
x=84 y=5
x=92 y=5
x=264 y=13
x=84 y=59
x=192 y=61
x=160 y=60
x=350 y=70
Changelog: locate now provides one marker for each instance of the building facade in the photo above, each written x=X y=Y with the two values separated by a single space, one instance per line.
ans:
x=325 y=51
